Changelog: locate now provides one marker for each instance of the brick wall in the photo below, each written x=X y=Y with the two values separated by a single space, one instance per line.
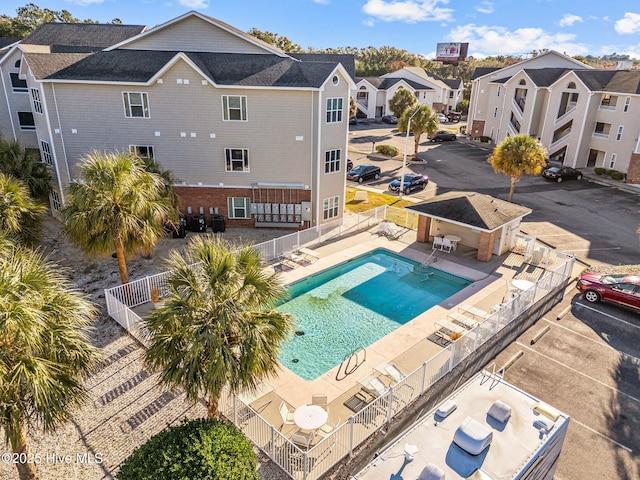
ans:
x=633 y=173
x=485 y=247
x=424 y=225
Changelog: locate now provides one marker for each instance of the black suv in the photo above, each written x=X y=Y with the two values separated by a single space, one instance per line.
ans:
x=363 y=172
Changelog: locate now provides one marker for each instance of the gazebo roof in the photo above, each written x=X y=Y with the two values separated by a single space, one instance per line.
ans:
x=472 y=209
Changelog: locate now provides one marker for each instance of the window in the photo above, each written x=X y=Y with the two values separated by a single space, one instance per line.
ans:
x=26 y=121
x=332 y=161
x=451 y=94
x=498 y=91
x=571 y=85
x=234 y=108
x=142 y=151
x=18 y=85
x=238 y=207
x=55 y=200
x=612 y=161
x=608 y=101
x=619 y=135
x=330 y=208
x=334 y=110
x=335 y=80
x=602 y=129
x=627 y=101
x=495 y=112
x=237 y=159
x=47 y=156
x=37 y=103
x=17 y=64
x=136 y=104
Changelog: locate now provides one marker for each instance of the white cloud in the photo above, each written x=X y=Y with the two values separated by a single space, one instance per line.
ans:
x=195 y=4
x=322 y=2
x=492 y=40
x=409 y=11
x=84 y=3
x=369 y=22
x=569 y=19
x=629 y=24
x=485 y=7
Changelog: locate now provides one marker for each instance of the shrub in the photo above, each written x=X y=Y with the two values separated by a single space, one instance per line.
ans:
x=615 y=174
x=388 y=150
x=485 y=139
x=202 y=449
x=599 y=170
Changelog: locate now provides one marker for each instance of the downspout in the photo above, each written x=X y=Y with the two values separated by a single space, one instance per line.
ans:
x=52 y=143
x=6 y=96
x=318 y=148
x=584 y=124
x=546 y=117
x=64 y=150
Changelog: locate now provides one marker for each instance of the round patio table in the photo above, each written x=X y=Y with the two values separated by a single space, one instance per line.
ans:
x=310 y=417
x=522 y=284
x=453 y=238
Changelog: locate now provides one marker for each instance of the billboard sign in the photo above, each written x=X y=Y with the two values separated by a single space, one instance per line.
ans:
x=452 y=52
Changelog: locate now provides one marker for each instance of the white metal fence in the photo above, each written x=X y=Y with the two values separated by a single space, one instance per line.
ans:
x=312 y=463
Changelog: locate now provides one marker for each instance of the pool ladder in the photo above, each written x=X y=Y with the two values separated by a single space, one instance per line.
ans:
x=355 y=354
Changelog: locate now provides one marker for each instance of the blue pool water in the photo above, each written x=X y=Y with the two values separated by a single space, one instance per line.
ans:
x=356 y=303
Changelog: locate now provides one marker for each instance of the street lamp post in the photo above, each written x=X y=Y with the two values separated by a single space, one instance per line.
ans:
x=404 y=160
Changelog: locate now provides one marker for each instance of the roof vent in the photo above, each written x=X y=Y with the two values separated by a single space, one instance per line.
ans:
x=472 y=436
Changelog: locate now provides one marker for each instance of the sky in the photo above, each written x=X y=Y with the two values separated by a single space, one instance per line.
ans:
x=491 y=27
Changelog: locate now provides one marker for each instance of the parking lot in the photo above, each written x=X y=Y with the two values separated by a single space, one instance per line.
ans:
x=588 y=362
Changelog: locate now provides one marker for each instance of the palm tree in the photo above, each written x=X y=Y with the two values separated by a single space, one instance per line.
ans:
x=423 y=120
x=45 y=351
x=20 y=215
x=25 y=165
x=518 y=155
x=118 y=206
x=402 y=101
x=217 y=326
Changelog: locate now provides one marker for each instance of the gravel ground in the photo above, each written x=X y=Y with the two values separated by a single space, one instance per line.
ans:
x=126 y=406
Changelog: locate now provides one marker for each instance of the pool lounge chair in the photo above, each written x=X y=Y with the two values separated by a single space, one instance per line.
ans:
x=373 y=386
x=390 y=370
x=308 y=254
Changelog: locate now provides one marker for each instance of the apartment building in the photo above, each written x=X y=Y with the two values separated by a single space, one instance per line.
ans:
x=247 y=130
x=373 y=94
x=584 y=117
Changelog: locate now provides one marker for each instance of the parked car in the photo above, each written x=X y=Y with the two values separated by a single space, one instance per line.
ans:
x=363 y=172
x=442 y=118
x=412 y=181
x=390 y=119
x=560 y=174
x=454 y=116
x=443 y=136
x=349 y=164
x=353 y=121
x=616 y=288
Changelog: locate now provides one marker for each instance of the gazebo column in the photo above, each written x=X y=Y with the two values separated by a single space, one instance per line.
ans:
x=424 y=225
x=485 y=246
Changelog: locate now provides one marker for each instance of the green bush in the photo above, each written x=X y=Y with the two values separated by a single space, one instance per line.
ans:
x=485 y=139
x=388 y=150
x=615 y=174
x=199 y=449
x=599 y=170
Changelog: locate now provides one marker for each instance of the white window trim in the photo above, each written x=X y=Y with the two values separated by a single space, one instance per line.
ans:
x=47 y=155
x=54 y=200
x=330 y=207
x=146 y=110
x=226 y=110
x=612 y=160
x=134 y=149
x=627 y=102
x=231 y=207
x=333 y=160
x=228 y=161
x=37 y=101
x=619 y=134
x=15 y=89
x=27 y=127
x=334 y=113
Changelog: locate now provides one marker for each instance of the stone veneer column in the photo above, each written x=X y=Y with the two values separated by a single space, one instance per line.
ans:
x=485 y=247
x=424 y=225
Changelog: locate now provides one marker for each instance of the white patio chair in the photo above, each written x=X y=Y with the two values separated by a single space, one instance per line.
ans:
x=447 y=245
x=302 y=439
x=319 y=399
x=286 y=414
x=437 y=242
x=325 y=430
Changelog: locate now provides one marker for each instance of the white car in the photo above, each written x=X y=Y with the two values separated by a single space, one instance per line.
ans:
x=442 y=118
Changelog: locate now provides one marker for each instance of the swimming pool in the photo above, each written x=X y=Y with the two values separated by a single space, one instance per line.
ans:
x=355 y=303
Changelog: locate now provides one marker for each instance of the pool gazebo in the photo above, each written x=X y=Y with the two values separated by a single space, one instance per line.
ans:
x=480 y=221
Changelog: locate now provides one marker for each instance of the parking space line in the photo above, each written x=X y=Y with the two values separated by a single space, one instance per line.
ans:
x=592 y=340
x=588 y=307
x=578 y=372
x=602 y=435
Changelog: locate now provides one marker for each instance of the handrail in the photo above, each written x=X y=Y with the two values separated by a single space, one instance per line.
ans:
x=349 y=356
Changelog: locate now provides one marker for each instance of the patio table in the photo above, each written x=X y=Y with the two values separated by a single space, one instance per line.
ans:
x=310 y=417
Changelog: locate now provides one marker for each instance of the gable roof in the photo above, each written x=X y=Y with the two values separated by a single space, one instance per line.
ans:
x=214 y=21
x=473 y=209
x=7 y=41
x=619 y=81
x=482 y=71
x=545 y=77
x=44 y=64
x=259 y=70
x=382 y=83
x=80 y=37
x=348 y=61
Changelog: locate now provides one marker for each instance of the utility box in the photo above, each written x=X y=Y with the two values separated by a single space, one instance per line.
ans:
x=217 y=224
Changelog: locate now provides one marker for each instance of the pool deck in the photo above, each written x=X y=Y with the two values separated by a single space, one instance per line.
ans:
x=408 y=346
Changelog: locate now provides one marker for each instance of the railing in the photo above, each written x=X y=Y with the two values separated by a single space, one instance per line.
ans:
x=312 y=463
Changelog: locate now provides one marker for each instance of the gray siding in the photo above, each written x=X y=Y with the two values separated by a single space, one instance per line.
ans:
x=12 y=103
x=194 y=35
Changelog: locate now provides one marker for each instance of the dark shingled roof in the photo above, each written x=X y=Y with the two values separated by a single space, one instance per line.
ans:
x=81 y=37
x=222 y=68
x=545 y=77
x=481 y=71
x=619 y=81
x=347 y=60
x=6 y=41
x=453 y=83
x=473 y=209
x=44 y=64
x=390 y=82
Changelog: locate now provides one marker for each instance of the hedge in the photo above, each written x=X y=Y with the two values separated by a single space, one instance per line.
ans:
x=198 y=449
x=388 y=150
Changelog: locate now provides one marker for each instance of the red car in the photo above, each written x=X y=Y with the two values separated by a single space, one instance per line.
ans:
x=616 y=288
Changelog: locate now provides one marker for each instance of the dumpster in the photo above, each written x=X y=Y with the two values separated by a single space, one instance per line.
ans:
x=218 y=223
